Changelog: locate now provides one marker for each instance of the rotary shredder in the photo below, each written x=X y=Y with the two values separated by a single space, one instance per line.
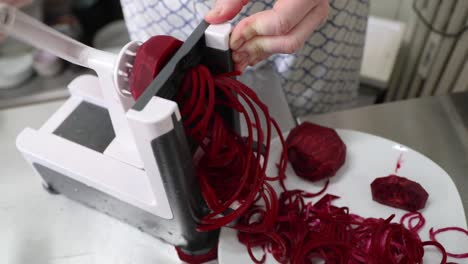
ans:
x=127 y=158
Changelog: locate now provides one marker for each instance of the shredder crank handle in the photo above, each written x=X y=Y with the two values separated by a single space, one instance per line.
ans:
x=23 y=27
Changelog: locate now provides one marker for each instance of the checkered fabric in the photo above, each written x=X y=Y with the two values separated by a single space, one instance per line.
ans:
x=323 y=76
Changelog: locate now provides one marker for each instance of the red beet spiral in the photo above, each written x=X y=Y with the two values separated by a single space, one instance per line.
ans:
x=315 y=152
x=232 y=177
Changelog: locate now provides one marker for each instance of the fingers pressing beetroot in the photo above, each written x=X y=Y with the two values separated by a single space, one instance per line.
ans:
x=399 y=192
x=315 y=152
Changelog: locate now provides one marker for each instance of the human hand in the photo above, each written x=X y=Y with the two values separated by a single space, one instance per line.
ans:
x=17 y=3
x=283 y=29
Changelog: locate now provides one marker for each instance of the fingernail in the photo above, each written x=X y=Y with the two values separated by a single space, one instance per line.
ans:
x=214 y=12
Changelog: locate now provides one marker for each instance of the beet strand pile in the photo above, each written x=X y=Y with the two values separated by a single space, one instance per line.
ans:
x=232 y=176
x=308 y=231
x=231 y=171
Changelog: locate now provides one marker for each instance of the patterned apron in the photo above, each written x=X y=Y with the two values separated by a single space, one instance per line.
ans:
x=323 y=76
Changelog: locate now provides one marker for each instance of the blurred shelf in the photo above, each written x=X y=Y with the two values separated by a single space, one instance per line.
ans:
x=39 y=89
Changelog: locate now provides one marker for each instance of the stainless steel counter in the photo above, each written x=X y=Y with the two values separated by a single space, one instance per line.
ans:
x=435 y=126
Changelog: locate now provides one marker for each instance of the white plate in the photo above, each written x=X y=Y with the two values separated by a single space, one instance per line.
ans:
x=369 y=157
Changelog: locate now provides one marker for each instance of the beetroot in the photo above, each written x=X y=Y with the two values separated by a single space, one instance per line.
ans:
x=232 y=177
x=432 y=235
x=231 y=174
x=197 y=259
x=399 y=192
x=315 y=152
x=151 y=57
x=307 y=231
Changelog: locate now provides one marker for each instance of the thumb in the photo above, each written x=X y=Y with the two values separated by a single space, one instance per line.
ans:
x=224 y=10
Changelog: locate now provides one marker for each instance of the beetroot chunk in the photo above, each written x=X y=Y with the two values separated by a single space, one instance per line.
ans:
x=315 y=152
x=399 y=192
x=150 y=59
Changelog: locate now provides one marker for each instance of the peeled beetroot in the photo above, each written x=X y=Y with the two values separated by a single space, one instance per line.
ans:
x=151 y=57
x=399 y=192
x=315 y=152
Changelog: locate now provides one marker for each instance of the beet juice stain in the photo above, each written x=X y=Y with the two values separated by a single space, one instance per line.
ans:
x=399 y=162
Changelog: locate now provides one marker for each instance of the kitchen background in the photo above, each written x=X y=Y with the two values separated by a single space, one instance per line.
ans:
x=413 y=49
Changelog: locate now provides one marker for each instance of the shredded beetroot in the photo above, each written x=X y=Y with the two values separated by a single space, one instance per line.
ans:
x=399 y=192
x=306 y=231
x=315 y=152
x=439 y=247
x=411 y=217
x=197 y=259
x=231 y=174
x=231 y=171
x=432 y=235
